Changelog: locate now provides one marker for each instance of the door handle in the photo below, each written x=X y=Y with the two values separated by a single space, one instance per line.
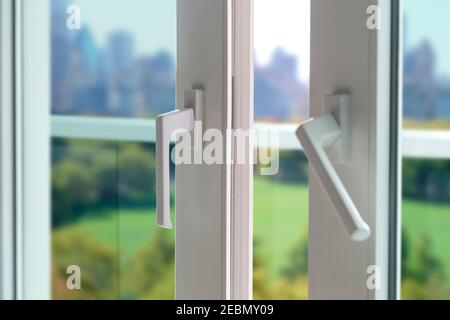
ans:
x=315 y=136
x=166 y=125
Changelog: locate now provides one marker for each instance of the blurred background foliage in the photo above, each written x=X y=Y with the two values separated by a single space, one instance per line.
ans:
x=104 y=222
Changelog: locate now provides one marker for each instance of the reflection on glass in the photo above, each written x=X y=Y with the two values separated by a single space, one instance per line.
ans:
x=426 y=183
x=281 y=201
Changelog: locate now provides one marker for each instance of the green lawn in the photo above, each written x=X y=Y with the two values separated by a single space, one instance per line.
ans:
x=128 y=229
x=431 y=220
x=280 y=220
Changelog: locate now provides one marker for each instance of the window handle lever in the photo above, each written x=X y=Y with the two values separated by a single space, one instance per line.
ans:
x=315 y=136
x=166 y=125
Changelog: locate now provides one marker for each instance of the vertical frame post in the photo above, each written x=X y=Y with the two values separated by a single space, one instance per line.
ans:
x=242 y=174
x=203 y=192
x=350 y=55
x=7 y=141
x=33 y=226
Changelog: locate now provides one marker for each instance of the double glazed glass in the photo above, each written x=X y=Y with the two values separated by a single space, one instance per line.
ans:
x=113 y=70
x=426 y=173
x=281 y=103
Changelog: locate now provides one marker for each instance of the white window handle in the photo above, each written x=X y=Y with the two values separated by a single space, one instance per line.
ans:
x=166 y=125
x=317 y=134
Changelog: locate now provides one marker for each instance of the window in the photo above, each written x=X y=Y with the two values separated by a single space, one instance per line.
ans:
x=426 y=163
x=281 y=103
x=110 y=78
x=113 y=65
x=111 y=75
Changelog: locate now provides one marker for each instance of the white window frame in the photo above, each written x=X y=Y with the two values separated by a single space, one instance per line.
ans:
x=241 y=238
x=25 y=150
x=30 y=201
x=203 y=192
x=347 y=56
x=32 y=141
x=7 y=138
x=33 y=222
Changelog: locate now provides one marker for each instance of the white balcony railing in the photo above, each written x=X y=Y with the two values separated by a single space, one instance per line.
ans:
x=415 y=143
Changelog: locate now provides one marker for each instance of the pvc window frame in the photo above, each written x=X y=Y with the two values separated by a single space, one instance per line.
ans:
x=28 y=247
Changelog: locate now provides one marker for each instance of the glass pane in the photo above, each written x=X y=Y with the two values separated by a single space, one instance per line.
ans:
x=281 y=230
x=426 y=179
x=281 y=98
x=282 y=63
x=426 y=65
x=120 y=62
x=426 y=225
x=104 y=222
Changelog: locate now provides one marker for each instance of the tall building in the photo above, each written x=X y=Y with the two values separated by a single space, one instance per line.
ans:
x=279 y=93
x=87 y=53
x=61 y=50
x=121 y=52
x=157 y=80
x=420 y=85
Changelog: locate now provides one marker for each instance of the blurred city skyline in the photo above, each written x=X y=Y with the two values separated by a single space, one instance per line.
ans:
x=103 y=16
x=113 y=77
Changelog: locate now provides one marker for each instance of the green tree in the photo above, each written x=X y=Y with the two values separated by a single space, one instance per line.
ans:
x=150 y=273
x=297 y=265
x=97 y=261
x=261 y=283
x=425 y=264
x=136 y=175
x=73 y=188
x=423 y=277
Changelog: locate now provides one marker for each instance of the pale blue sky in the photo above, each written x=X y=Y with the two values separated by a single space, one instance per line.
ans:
x=286 y=25
x=153 y=22
x=430 y=19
